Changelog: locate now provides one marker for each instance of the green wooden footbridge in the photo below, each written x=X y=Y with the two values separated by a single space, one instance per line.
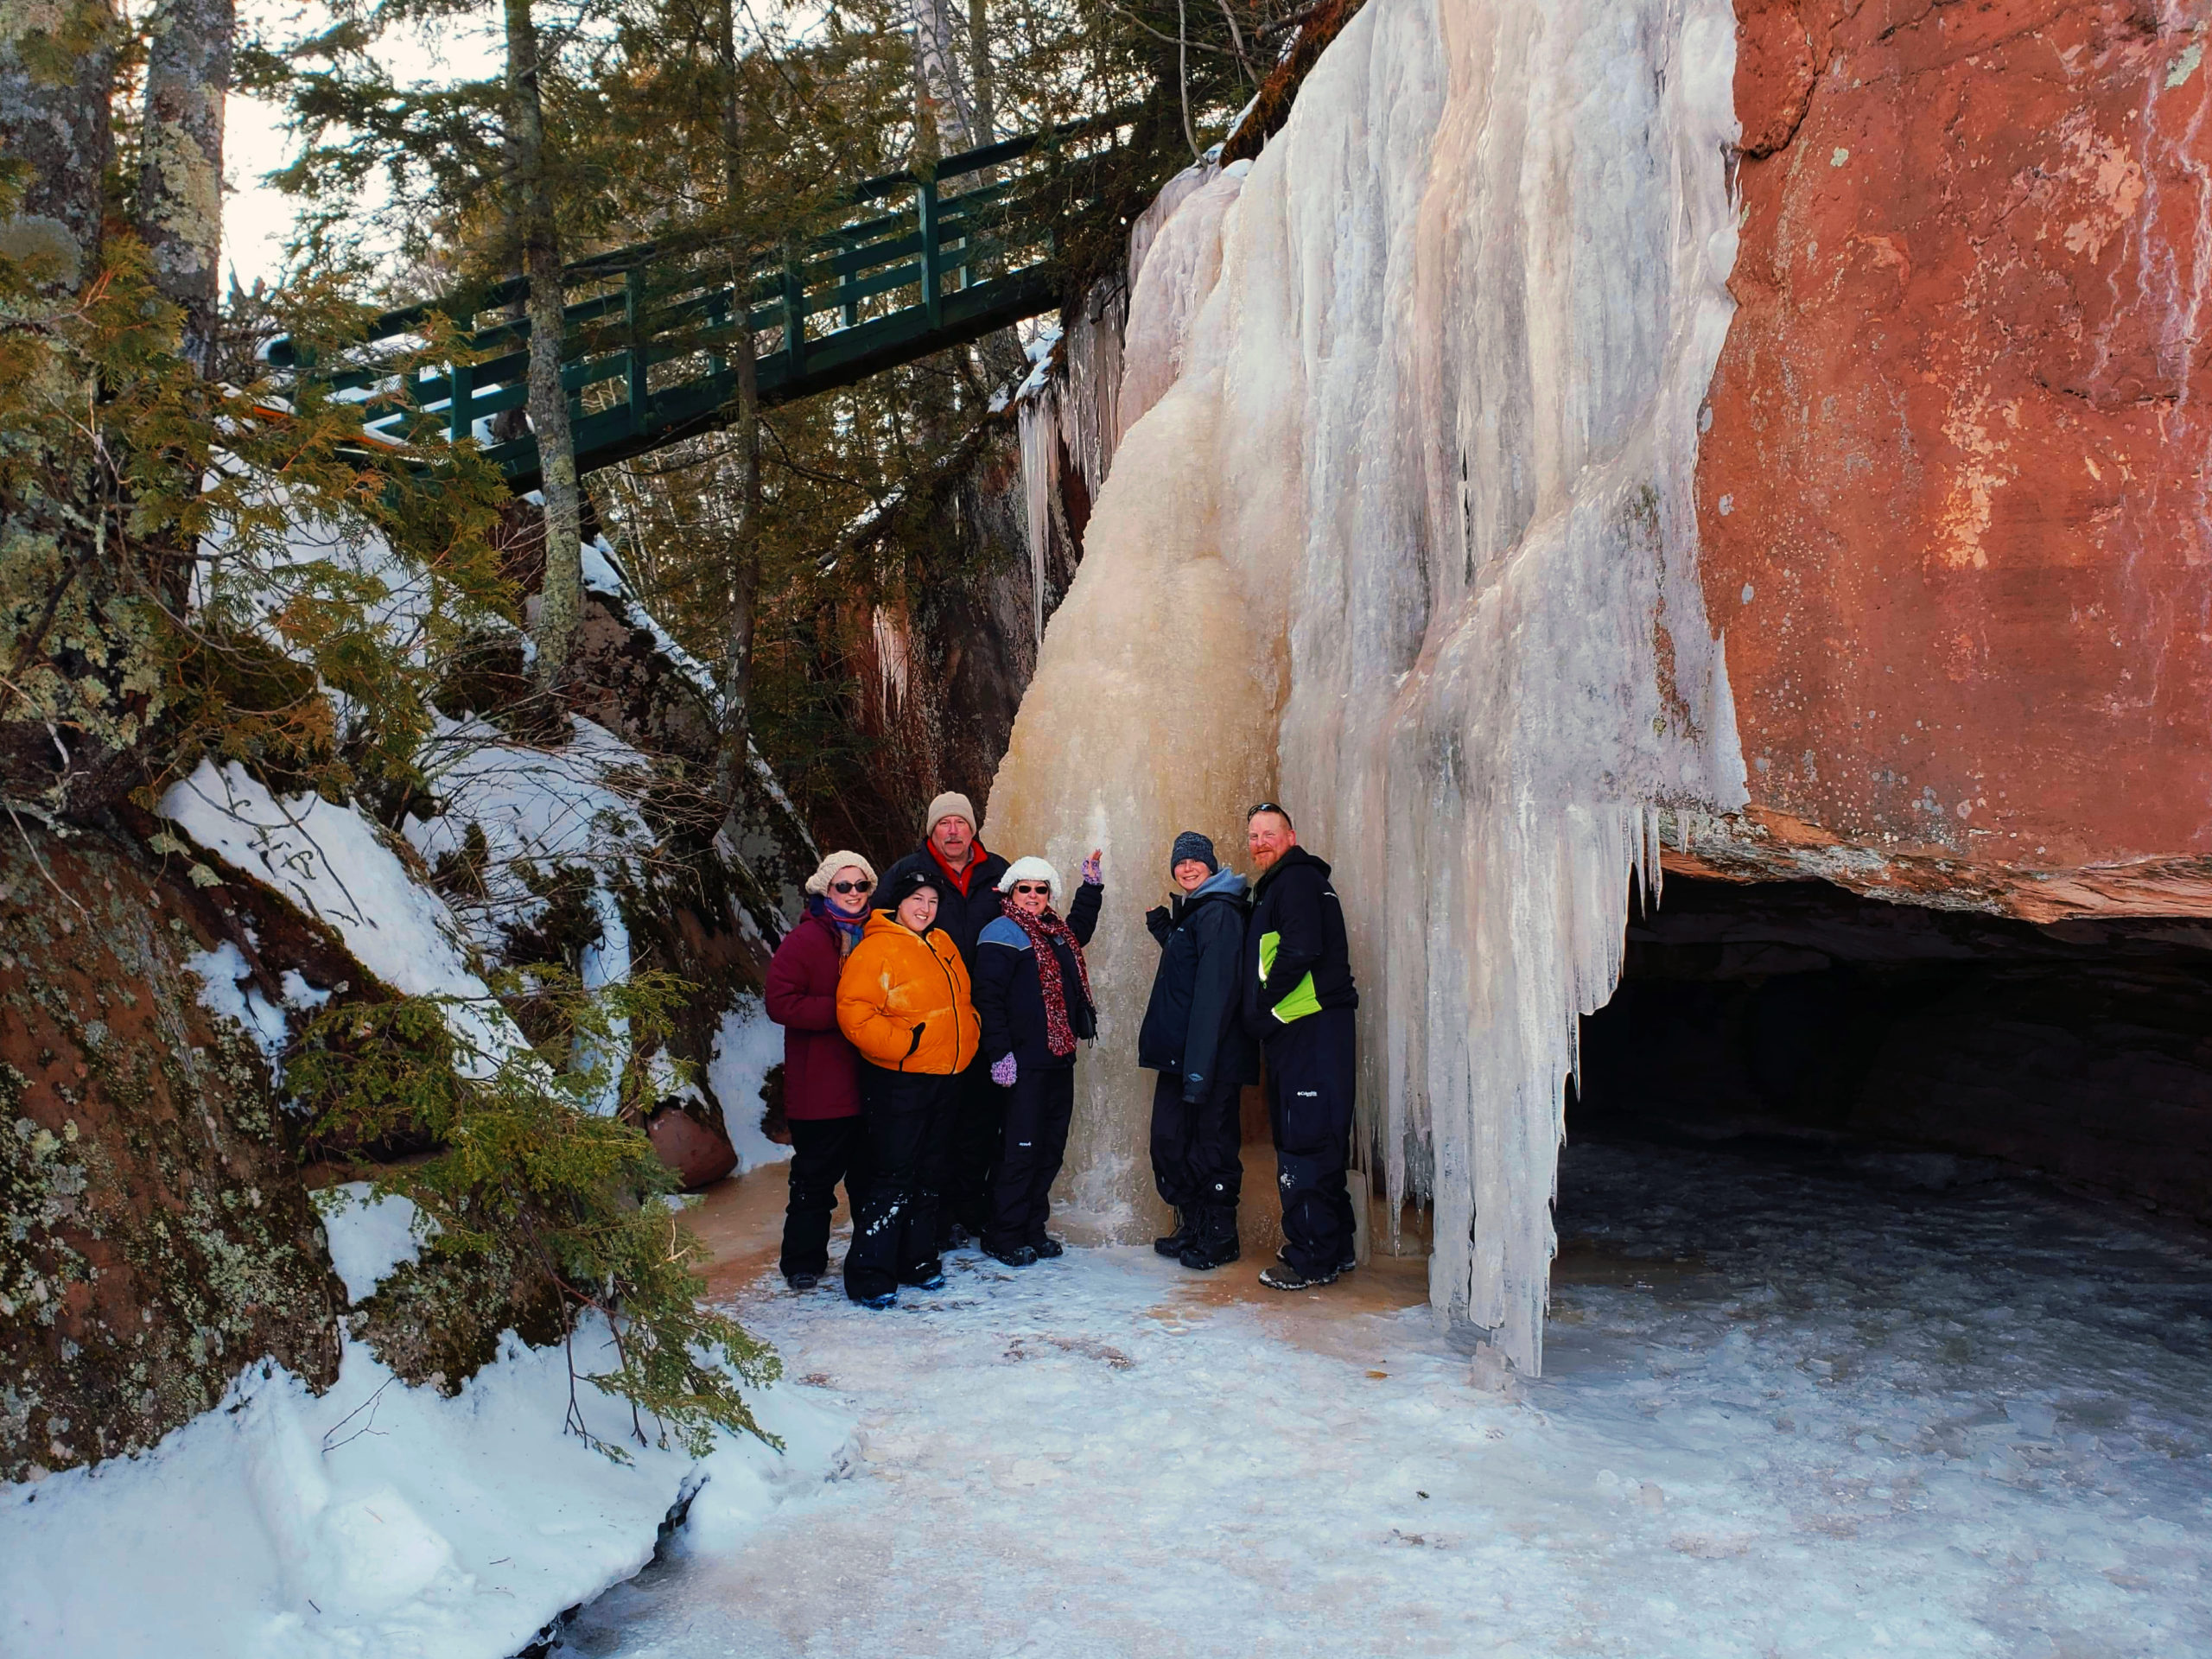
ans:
x=973 y=247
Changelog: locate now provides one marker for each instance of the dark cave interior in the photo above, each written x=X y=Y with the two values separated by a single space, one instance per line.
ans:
x=2078 y=1049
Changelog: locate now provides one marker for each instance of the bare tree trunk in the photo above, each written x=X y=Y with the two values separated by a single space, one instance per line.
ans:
x=180 y=178
x=979 y=71
x=745 y=456
x=58 y=128
x=561 y=594
x=944 y=101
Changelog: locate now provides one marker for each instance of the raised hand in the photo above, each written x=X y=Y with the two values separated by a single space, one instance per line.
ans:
x=1091 y=877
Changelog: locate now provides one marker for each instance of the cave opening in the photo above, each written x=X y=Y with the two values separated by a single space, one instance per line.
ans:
x=1801 y=1014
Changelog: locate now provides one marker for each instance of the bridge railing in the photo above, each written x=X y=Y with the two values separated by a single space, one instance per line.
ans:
x=964 y=249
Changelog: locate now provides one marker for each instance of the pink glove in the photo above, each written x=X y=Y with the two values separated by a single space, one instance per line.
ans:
x=1002 y=1070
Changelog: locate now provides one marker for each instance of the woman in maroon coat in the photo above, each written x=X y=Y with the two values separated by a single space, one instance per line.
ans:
x=822 y=1070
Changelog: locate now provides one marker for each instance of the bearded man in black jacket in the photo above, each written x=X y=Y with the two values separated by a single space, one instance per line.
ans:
x=1299 y=999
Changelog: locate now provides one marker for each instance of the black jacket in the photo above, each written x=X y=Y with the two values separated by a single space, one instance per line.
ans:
x=961 y=918
x=1010 y=998
x=1191 y=1025
x=1293 y=899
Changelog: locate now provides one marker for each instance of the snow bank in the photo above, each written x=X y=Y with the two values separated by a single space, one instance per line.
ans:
x=1412 y=527
x=377 y=1520
x=746 y=1046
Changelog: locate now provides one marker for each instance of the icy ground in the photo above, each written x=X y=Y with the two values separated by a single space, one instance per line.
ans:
x=1790 y=1410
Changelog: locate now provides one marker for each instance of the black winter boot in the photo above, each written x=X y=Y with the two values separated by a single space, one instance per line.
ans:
x=1184 y=1235
x=1214 y=1244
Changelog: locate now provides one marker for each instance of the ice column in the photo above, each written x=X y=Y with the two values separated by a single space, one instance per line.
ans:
x=1408 y=543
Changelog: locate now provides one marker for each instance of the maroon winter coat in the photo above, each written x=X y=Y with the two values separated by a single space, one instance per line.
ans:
x=822 y=1070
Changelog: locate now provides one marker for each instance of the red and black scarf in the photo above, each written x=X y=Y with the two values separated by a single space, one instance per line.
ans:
x=1059 y=1036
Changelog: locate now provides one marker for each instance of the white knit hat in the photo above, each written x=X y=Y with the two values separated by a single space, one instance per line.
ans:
x=819 y=882
x=1031 y=870
x=950 y=804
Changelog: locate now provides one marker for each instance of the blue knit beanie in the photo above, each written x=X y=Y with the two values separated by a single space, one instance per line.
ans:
x=1191 y=844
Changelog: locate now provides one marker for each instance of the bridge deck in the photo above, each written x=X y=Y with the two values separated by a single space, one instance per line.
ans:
x=970 y=249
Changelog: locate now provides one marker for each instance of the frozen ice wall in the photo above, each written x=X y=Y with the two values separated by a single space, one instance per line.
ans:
x=1407 y=542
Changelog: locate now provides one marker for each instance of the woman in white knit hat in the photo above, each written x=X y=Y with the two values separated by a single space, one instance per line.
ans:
x=822 y=1070
x=1033 y=993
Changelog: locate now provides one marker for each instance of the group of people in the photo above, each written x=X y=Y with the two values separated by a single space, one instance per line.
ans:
x=930 y=1022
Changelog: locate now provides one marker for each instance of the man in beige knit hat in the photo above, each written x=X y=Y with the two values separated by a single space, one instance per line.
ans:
x=966 y=877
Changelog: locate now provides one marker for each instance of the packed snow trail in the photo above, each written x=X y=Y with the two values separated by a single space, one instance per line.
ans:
x=1789 y=1411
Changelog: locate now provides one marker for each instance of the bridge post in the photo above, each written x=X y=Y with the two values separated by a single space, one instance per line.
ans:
x=640 y=385
x=794 y=317
x=460 y=384
x=932 y=284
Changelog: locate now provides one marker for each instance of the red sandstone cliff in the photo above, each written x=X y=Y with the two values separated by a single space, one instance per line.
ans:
x=1954 y=496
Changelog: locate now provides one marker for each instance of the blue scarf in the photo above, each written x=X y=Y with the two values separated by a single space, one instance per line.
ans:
x=850 y=927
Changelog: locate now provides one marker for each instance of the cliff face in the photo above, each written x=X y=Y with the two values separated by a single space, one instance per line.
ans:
x=1952 y=495
x=155 y=1236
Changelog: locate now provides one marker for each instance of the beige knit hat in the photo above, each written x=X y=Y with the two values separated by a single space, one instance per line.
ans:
x=819 y=882
x=949 y=804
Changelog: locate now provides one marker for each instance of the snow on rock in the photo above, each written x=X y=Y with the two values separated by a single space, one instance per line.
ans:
x=602 y=575
x=536 y=806
x=376 y=1520
x=369 y=1236
x=333 y=864
x=1413 y=526
x=230 y=991
x=746 y=1046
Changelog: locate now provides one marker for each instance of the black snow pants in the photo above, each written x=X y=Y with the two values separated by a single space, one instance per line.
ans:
x=894 y=1213
x=1194 y=1145
x=824 y=1151
x=971 y=1137
x=1038 y=1109
x=1312 y=1066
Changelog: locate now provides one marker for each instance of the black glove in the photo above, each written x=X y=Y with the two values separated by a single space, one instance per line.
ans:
x=1157 y=921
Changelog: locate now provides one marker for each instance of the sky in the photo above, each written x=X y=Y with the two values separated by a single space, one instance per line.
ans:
x=257 y=218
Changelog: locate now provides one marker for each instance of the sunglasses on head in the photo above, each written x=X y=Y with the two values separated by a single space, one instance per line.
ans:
x=1034 y=886
x=852 y=886
x=1267 y=806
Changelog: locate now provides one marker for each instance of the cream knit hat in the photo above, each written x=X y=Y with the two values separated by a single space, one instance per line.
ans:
x=949 y=804
x=1032 y=869
x=819 y=882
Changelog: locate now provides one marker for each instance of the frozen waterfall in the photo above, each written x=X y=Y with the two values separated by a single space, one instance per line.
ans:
x=1403 y=536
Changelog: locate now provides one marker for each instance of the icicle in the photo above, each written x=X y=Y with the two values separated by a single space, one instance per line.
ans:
x=891 y=655
x=1038 y=420
x=1404 y=524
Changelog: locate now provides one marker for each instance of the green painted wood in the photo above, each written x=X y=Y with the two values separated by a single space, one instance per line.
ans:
x=937 y=270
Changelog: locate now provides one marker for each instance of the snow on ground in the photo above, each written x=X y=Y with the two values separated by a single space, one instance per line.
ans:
x=748 y=1043
x=1789 y=1411
x=379 y=1519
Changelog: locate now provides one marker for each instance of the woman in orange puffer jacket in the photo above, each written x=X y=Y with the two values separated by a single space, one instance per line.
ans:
x=902 y=1000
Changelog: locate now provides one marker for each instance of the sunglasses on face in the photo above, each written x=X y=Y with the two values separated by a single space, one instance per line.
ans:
x=1031 y=886
x=852 y=886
